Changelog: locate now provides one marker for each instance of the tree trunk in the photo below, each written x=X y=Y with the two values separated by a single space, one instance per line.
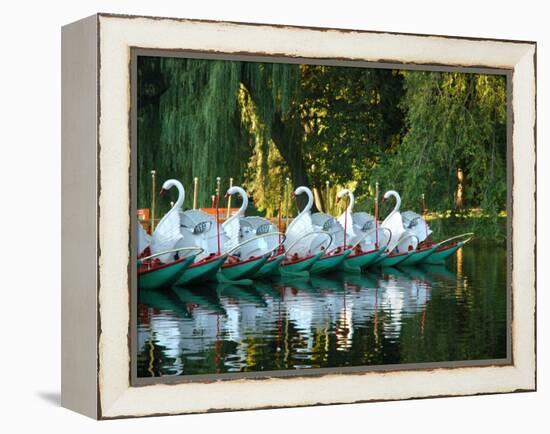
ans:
x=291 y=151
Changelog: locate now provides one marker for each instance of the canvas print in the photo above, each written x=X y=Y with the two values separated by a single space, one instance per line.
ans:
x=297 y=216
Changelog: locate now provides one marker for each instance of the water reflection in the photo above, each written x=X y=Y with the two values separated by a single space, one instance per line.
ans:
x=411 y=314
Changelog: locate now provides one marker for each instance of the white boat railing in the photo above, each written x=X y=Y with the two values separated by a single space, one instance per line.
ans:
x=366 y=234
x=309 y=234
x=198 y=251
x=470 y=235
x=255 y=238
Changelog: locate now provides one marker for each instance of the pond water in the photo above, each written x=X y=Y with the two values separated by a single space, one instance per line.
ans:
x=385 y=316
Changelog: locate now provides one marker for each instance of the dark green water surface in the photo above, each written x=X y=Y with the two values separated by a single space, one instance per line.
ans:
x=386 y=316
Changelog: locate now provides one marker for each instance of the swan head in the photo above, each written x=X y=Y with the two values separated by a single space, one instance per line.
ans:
x=236 y=189
x=390 y=193
x=302 y=189
x=169 y=184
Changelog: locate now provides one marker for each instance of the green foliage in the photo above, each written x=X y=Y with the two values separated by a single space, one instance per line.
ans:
x=453 y=121
x=263 y=122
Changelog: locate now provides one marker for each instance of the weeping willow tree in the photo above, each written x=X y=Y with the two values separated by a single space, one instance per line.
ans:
x=204 y=118
x=454 y=146
x=443 y=134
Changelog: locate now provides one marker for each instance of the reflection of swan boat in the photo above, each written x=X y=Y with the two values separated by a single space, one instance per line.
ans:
x=327 y=283
x=267 y=288
x=294 y=282
x=240 y=293
x=164 y=301
x=363 y=280
x=207 y=298
x=439 y=271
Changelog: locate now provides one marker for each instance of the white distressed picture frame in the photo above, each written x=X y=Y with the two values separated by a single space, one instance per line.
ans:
x=96 y=294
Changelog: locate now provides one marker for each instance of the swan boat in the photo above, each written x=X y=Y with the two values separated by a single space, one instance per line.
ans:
x=161 y=262
x=304 y=244
x=154 y=274
x=184 y=231
x=335 y=252
x=432 y=252
x=403 y=242
x=363 y=236
x=414 y=246
x=249 y=243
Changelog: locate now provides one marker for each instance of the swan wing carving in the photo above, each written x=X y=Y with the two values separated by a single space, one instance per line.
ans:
x=232 y=230
x=394 y=223
x=166 y=236
x=295 y=235
x=144 y=239
x=346 y=220
x=416 y=224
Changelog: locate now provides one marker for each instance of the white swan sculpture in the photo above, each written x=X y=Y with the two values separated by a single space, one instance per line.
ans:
x=358 y=224
x=143 y=239
x=239 y=229
x=167 y=233
x=302 y=238
x=402 y=239
x=416 y=224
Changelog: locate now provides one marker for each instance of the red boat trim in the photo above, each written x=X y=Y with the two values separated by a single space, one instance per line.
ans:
x=423 y=249
x=204 y=261
x=362 y=253
x=273 y=258
x=226 y=265
x=395 y=255
x=442 y=249
x=331 y=256
x=160 y=266
x=297 y=260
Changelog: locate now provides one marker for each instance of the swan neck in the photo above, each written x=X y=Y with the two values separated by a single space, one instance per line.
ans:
x=179 y=202
x=242 y=210
x=351 y=202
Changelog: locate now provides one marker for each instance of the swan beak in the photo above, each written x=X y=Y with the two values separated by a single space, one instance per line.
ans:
x=162 y=190
x=226 y=195
x=383 y=199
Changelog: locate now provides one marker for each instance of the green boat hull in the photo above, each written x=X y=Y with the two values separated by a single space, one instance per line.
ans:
x=299 y=267
x=328 y=263
x=271 y=267
x=241 y=270
x=439 y=256
x=164 y=276
x=354 y=263
x=393 y=260
x=201 y=272
x=419 y=256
